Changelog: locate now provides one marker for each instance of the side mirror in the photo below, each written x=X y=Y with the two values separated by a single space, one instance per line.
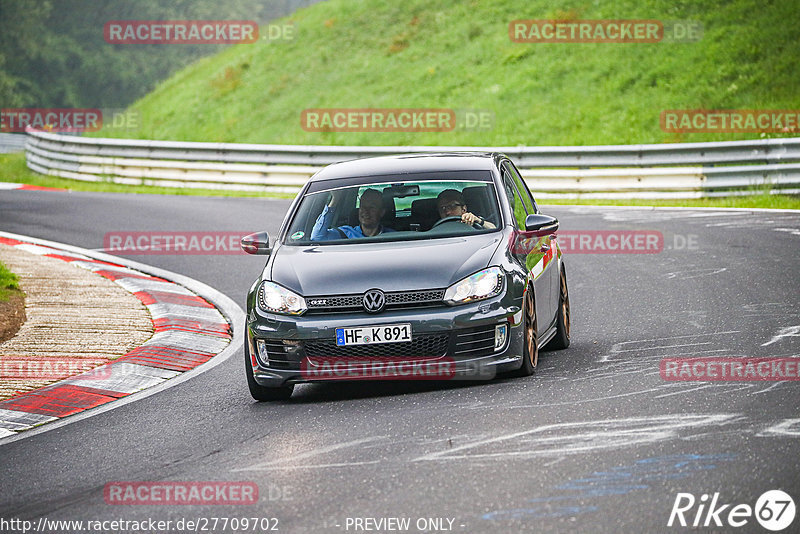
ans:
x=257 y=243
x=541 y=224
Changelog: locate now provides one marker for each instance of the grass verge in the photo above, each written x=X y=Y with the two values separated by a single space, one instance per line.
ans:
x=458 y=55
x=12 y=304
x=9 y=284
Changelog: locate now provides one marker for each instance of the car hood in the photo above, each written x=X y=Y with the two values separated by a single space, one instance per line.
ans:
x=397 y=266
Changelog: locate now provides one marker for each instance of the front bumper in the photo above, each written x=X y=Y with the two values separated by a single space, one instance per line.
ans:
x=459 y=337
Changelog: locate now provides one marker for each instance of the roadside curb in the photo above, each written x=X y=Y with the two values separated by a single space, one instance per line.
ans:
x=194 y=332
x=12 y=186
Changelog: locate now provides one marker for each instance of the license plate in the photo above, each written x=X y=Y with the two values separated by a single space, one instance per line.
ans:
x=370 y=335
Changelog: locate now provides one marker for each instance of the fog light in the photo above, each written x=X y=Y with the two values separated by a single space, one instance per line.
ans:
x=261 y=350
x=500 y=334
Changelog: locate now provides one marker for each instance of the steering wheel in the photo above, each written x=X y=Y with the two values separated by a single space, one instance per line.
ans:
x=455 y=218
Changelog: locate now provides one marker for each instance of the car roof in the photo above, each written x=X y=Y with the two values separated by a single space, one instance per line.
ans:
x=410 y=163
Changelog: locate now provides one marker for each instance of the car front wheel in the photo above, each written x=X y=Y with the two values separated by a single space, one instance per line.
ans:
x=561 y=339
x=530 y=352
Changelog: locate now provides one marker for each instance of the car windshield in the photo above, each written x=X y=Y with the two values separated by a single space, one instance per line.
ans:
x=429 y=207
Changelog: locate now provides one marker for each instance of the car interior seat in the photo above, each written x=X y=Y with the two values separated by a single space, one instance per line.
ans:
x=477 y=200
x=424 y=213
x=389 y=218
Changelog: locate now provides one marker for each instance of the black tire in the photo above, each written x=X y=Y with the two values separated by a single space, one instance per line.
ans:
x=259 y=392
x=530 y=351
x=561 y=339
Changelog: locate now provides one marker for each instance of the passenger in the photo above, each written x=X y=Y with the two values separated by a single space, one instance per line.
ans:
x=370 y=212
x=450 y=203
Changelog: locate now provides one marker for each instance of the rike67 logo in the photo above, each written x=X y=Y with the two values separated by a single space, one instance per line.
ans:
x=774 y=511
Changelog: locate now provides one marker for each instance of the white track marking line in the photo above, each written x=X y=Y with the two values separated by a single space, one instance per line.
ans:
x=597 y=435
x=286 y=462
x=789 y=331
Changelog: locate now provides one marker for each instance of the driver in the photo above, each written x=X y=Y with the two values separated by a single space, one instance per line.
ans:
x=450 y=203
x=370 y=211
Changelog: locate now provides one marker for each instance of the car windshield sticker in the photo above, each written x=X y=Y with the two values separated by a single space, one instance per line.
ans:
x=298 y=235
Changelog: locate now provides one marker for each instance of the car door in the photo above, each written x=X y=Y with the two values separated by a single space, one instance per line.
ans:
x=530 y=252
x=548 y=247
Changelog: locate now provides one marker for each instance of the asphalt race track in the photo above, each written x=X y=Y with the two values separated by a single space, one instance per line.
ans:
x=595 y=441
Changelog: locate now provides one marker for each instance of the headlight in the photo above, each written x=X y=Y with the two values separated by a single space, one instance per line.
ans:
x=481 y=285
x=277 y=299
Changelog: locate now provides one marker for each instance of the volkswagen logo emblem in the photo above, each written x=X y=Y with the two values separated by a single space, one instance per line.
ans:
x=374 y=300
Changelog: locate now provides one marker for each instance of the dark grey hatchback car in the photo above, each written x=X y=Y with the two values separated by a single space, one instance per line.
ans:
x=434 y=266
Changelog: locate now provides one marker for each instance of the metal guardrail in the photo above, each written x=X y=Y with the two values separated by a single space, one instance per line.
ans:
x=10 y=142
x=644 y=171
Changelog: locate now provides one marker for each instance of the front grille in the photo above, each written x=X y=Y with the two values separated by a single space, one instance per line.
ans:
x=421 y=346
x=475 y=341
x=462 y=343
x=413 y=297
x=394 y=300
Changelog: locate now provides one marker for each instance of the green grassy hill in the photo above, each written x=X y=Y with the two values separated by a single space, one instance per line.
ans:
x=457 y=54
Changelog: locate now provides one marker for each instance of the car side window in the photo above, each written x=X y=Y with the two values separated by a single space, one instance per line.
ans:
x=517 y=205
x=527 y=198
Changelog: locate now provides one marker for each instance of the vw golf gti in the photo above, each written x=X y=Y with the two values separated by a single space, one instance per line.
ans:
x=434 y=266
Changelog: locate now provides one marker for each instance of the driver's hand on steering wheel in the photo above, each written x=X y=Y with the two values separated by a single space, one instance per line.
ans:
x=473 y=220
x=470 y=218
